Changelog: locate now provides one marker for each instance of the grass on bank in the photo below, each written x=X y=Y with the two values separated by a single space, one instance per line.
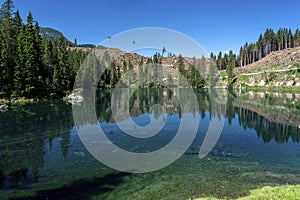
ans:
x=286 y=192
x=272 y=81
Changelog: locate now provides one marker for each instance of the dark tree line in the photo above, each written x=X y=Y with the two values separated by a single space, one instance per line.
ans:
x=268 y=42
x=30 y=66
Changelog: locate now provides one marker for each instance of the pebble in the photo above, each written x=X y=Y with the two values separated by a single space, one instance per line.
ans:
x=80 y=153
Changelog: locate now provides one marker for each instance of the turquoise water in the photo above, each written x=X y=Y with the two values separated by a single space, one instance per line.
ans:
x=42 y=156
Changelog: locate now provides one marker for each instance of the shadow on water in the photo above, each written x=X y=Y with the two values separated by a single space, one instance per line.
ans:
x=82 y=189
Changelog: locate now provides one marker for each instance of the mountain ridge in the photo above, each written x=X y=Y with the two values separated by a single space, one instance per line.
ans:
x=52 y=34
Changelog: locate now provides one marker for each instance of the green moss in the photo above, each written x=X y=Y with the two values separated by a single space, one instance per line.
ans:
x=278 y=192
x=223 y=74
x=287 y=192
x=2 y=101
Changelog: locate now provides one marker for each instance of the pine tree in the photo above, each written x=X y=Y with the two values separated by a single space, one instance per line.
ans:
x=259 y=46
x=19 y=73
x=131 y=74
x=285 y=34
x=27 y=75
x=229 y=69
x=290 y=39
x=241 y=57
x=32 y=56
x=113 y=75
x=124 y=67
x=280 y=36
x=47 y=62
x=16 y=23
x=296 y=39
x=219 y=61
x=140 y=73
x=41 y=71
x=163 y=51
x=212 y=73
x=181 y=70
x=75 y=42
x=61 y=74
x=7 y=40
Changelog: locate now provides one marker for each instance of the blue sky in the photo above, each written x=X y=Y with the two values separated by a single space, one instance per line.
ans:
x=218 y=25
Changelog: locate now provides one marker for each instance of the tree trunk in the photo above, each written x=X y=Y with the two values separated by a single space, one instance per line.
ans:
x=286 y=43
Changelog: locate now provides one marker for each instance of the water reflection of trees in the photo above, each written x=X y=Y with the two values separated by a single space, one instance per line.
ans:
x=142 y=100
x=264 y=113
x=266 y=129
x=25 y=129
x=259 y=117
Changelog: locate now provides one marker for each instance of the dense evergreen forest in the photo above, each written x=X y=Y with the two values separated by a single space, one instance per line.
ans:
x=249 y=53
x=30 y=66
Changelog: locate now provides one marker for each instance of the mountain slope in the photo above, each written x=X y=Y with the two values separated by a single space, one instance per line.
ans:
x=284 y=59
x=169 y=64
x=278 y=69
x=51 y=34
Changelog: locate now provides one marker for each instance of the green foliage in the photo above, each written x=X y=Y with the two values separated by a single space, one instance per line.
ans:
x=87 y=45
x=229 y=69
x=266 y=43
x=61 y=74
x=30 y=66
x=278 y=192
x=191 y=75
x=141 y=73
x=213 y=74
x=7 y=48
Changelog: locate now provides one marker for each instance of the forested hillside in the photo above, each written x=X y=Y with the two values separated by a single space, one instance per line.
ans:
x=267 y=43
x=133 y=70
x=30 y=66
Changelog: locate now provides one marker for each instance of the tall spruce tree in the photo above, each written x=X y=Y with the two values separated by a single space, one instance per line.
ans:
x=32 y=53
x=61 y=73
x=229 y=69
x=20 y=72
x=7 y=44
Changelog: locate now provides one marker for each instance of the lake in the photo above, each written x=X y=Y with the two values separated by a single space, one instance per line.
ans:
x=42 y=155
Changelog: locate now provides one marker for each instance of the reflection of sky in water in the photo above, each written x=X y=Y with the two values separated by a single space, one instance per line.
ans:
x=63 y=157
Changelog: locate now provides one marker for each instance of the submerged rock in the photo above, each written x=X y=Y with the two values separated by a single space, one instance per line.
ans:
x=233 y=154
x=80 y=153
x=74 y=98
x=3 y=107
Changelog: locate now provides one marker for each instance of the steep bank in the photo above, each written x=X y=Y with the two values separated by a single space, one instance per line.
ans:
x=278 y=69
